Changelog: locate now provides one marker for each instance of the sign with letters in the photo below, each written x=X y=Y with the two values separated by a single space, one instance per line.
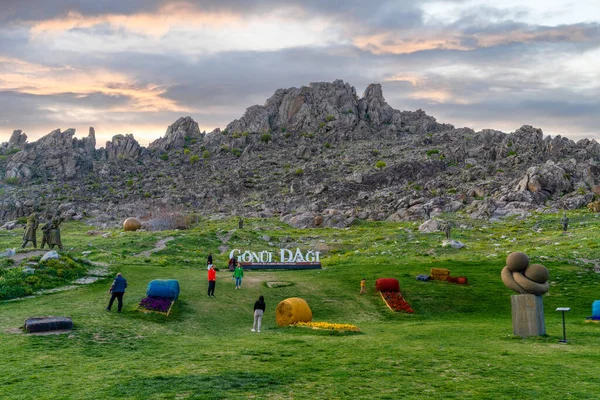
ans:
x=283 y=259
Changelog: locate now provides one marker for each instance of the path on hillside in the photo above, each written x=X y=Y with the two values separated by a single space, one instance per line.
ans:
x=160 y=245
x=224 y=239
x=30 y=253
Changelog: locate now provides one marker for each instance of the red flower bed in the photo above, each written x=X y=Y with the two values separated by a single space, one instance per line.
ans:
x=396 y=302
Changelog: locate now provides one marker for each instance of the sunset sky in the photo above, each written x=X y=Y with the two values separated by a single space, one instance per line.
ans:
x=135 y=66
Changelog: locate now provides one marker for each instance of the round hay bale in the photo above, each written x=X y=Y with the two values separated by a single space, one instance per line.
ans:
x=537 y=273
x=292 y=310
x=46 y=324
x=132 y=224
x=387 y=285
x=517 y=262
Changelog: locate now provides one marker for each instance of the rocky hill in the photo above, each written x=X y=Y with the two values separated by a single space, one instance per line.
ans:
x=315 y=155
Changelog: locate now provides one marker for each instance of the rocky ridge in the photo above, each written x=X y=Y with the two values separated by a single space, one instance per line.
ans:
x=315 y=156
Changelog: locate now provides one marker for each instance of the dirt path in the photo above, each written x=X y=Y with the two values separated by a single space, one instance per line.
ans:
x=224 y=239
x=21 y=256
x=160 y=245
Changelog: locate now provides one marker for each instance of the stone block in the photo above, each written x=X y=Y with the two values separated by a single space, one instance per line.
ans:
x=527 y=315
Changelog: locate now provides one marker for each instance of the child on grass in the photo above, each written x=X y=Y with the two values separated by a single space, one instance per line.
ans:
x=363 y=286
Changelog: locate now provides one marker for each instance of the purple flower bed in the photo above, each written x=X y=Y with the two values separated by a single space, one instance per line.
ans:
x=155 y=303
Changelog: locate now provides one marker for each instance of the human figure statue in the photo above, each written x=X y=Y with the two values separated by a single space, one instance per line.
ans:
x=241 y=223
x=447 y=229
x=54 y=234
x=427 y=211
x=30 y=231
x=46 y=233
x=564 y=221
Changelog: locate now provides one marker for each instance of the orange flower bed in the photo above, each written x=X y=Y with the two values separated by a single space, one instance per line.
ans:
x=396 y=302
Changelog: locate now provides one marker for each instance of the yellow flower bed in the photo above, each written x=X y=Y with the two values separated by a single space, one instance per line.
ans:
x=328 y=326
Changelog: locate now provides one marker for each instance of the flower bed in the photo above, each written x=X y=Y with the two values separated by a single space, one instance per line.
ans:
x=396 y=302
x=328 y=326
x=159 y=304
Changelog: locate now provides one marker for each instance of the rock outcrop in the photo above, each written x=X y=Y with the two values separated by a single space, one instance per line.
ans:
x=55 y=156
x=314 y=156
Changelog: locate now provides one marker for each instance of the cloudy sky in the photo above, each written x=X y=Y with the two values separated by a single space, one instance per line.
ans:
x=135 y=66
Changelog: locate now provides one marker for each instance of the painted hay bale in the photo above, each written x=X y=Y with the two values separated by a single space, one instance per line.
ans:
x=387 y=285
x=46 y=324
x=292 y=310
x=461 y=280
x=165 y=288
x=596 y=309
x=132 y=224
x=439 y=274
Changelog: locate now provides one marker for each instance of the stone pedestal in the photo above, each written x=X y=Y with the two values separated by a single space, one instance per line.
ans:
x=528 y=315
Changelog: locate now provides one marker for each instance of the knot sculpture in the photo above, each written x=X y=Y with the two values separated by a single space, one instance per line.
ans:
x=525 y=278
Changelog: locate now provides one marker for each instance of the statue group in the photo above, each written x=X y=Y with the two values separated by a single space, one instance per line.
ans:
x=50 y=231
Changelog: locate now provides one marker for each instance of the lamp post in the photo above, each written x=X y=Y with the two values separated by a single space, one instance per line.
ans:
x=563 y=310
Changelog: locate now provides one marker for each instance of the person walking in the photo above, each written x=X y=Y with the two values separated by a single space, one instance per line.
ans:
x=212 y=280
x=117 y=290
x=259 y=310
x=238 y=274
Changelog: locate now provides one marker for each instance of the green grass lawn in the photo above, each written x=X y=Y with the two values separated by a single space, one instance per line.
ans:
x=457 y=345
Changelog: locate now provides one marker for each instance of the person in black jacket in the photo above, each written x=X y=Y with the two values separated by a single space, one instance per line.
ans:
x=117 y=290
x=259 y=310
x=209 y=260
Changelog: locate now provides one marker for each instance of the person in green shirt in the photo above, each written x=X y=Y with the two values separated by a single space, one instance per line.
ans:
x=238 y=274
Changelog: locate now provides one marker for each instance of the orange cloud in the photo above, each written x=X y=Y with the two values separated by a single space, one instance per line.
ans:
x=394 y=43
x=36 y=79
x=156 y=24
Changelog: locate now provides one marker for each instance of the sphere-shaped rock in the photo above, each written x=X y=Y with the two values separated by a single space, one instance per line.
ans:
x=517 y=262
x=537 y=273
x=132 y=224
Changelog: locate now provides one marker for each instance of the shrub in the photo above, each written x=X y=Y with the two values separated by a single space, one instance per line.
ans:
x=330 y=118
x=164 y=157
x=432 y=151
x=186 y=151
x=322 y=124
x=380 y=164
x=12 y=181
x=206 y=154
x=236 y=135
x=265 y=138
x=194 y=158
x=129 y=182
x=282 y=130
x=511 y=153
x=287 y=135
x=299 y=172
x=236 y=152
x=327 y=145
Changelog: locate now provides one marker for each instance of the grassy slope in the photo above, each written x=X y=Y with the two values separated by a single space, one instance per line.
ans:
x=457 y=345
